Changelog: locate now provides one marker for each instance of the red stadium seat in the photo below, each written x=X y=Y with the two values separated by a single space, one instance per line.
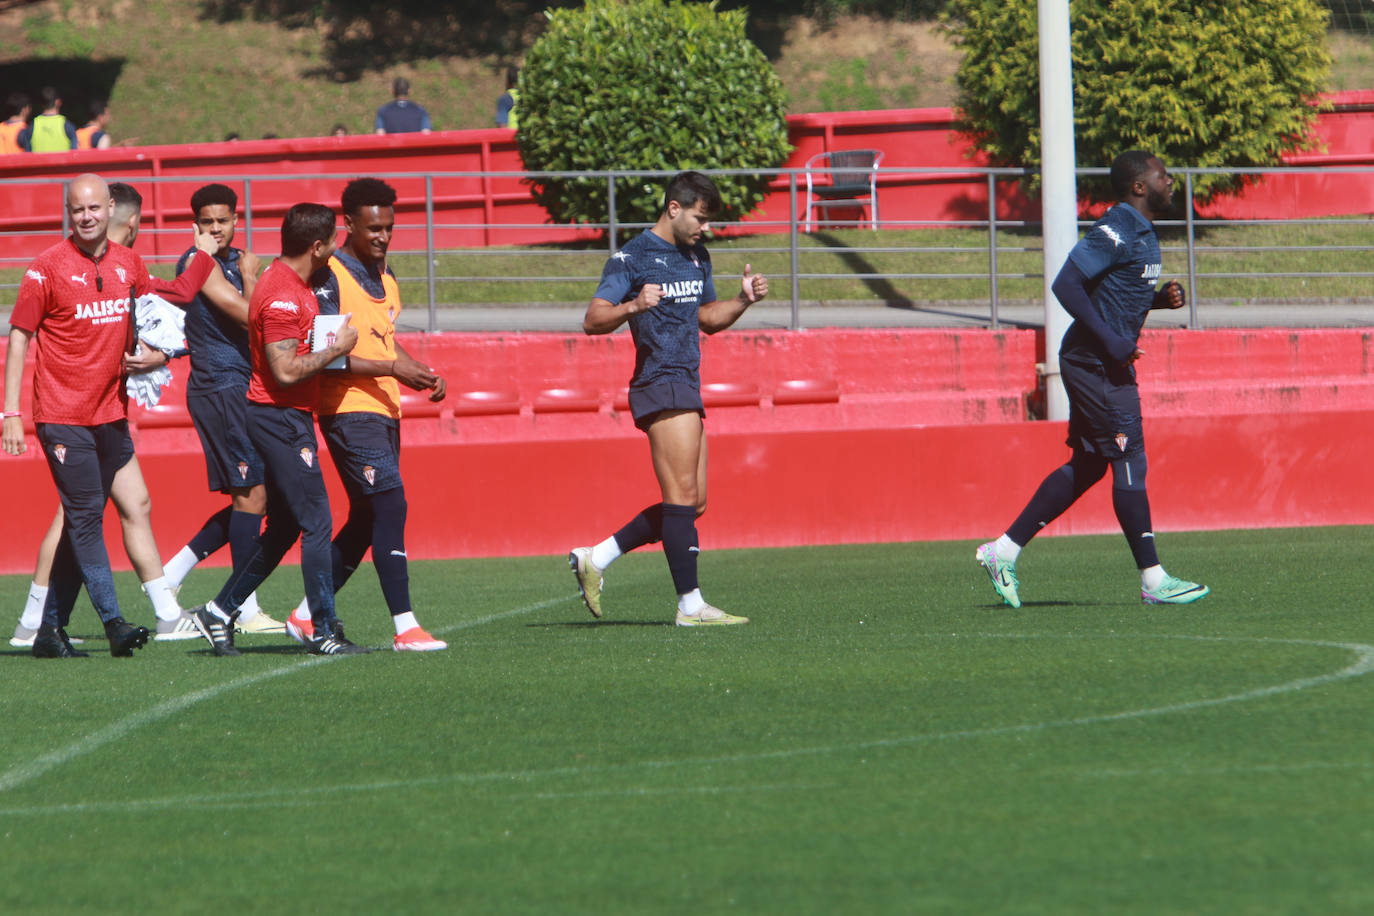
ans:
x=565 y=400
x=418 y=404
x=729 y=394
x=481 y=403
x=807 y=391
x=167 y=414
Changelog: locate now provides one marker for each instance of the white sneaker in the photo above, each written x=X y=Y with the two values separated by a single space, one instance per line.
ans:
x=589 y=578
x=709 y=617
x=260 y=622
x=23 y=637
x=172 y=630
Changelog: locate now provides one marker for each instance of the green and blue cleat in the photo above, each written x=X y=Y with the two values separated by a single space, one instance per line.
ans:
x=1002 y=573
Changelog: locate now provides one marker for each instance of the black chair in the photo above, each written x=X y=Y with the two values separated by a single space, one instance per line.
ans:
x=843 y=178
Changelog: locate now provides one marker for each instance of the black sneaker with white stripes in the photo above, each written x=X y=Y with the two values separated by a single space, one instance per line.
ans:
x=216 y=630
x=329 y=639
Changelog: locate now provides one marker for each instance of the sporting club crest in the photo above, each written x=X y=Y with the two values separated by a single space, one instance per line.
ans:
x=243 y=470
x=1121 y=441
x=59 y=452
x=370 y=473
x=308 y=456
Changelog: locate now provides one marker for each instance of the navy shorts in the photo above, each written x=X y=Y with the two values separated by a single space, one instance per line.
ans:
x=1104 y=409
x=647 y=403
x=221 y=420
x=366 y=448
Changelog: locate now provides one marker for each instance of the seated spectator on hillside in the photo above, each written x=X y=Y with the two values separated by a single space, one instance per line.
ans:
x=401 y=115
x=506 y=112
x=231 y=137
x=50 y=132
x=16 y=114
x=93 y=135
x=339 y=130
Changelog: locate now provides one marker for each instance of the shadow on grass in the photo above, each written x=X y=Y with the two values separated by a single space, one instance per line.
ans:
x=257 y=650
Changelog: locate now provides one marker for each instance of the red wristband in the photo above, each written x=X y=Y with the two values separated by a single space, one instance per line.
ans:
x=11 y=413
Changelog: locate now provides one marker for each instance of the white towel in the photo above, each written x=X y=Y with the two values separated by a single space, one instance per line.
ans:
x=161 y=325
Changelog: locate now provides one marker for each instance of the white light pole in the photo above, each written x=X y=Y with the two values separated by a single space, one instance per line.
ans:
x=1058 y=186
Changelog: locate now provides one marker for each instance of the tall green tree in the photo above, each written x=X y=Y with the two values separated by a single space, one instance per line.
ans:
x=1200 y=82
x=644 y=84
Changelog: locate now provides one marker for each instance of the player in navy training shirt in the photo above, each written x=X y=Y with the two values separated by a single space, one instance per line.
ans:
x=1108 y=286
x=661 y=283
x=216 y=397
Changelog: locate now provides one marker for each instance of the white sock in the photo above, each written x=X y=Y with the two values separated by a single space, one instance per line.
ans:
x=302 y=610
x=1152 y=577
x=1007 y=549
x=179 y=567
x=605 y=553
x=33 y=607
x=250 y=608
x=691 y=603
x=164 y=602
x=405 y=622
x=215 y=609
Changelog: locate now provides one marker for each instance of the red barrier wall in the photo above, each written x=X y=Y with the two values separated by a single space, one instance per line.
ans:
x=821 y=436
x=483 y=210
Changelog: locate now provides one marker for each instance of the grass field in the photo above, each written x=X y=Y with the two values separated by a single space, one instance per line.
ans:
x=882 y=738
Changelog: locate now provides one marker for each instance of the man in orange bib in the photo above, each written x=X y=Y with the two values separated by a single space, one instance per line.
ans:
x=359 y=408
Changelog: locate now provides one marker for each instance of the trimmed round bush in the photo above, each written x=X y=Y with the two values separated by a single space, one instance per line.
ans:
x=1199 y=82
x=643 y=84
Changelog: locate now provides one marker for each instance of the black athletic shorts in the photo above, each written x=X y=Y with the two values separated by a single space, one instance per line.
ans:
x=366 y=448
x=1104 y=409
x=221 y=420
x=647 y=403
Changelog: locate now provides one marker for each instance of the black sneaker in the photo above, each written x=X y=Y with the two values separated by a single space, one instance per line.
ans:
x=330 y=640
x=52 y=642
x=124 y=639
x=219 y=632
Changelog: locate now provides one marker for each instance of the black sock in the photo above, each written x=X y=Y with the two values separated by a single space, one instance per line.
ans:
x=1133 y=512
x=680 y=545
x=1056 y=494
x=213 y=535
x=389 y=548
x=644 y=528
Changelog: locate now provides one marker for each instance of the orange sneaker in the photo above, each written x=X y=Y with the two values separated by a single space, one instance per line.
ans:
x=417 y=640
x=301 y=629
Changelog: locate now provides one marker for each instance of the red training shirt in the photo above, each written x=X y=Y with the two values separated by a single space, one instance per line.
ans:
x=282 y=308
x=77 y=308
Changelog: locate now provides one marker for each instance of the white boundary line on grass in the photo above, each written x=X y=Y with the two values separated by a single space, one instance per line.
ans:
x=17 y=776
x=1363 y=664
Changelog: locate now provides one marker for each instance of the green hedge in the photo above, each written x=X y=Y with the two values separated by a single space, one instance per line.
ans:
x=643 y=84
x=1200 y=82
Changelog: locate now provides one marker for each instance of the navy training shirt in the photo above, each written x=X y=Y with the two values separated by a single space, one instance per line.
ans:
x=1121 y=259
x=218 y=345
x=667 y=337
